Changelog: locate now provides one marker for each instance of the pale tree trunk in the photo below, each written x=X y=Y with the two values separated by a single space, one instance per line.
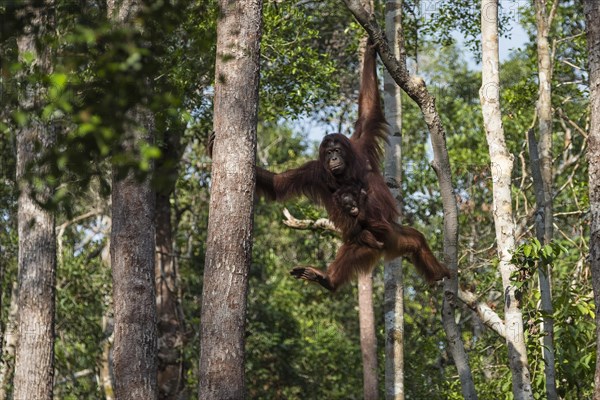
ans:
x=415 y=88
x=393 y=302
x=34 y=358
x=132 y=254
x=544 y=218
x=592 y=16
x=11 y=335
x=501 y=165
x=368 y=338
x=106 y=378
x=229 y=242
x=170 y=335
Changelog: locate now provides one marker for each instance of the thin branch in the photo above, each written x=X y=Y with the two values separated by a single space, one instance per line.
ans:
x=61 y=228
x=570 y=64
x=570 y=38
x=321 y=223
x=565 y=117
x=552 y=13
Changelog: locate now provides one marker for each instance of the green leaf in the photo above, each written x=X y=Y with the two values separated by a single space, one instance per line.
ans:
x=20 y=118
x=59 y=80
x=28 y=57
x=151 y=152
x=548 y=250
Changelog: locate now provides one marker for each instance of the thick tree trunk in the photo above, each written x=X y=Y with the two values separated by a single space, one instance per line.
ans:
x=393 y=303
x=132 y=251
x=34 y=368
x=544 y=229
x=229 y=242
x=502 y=164
x=132 y=262
x=592 y=16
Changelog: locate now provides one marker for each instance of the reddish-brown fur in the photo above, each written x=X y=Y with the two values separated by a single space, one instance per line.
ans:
x=351 y=200
x=362 y=157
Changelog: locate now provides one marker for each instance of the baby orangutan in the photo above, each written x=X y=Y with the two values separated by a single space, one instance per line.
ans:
x=352 y=200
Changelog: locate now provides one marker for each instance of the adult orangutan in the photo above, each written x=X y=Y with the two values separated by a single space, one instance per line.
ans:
x=345 y=163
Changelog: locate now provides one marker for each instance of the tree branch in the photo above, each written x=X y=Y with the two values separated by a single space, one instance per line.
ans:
x=321 y=223
x=489 y=317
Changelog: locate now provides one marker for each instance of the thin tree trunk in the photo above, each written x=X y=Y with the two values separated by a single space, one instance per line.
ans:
x=132 y=251
x=34 y=359
x=393 y=303
x=502 y=164
x=170 y=370
x=544 y=231
x=106 y=376
x=106 y=381
x=547 y=325
x=544 y=106
x=11 y=336
x=415 y=87
x=592 y=16
x=229 y=242
x=368 y=339
x=170 y=335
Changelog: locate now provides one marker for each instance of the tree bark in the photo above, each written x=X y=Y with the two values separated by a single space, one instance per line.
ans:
x=132 y=251
x=393 y=303
x=592 y=16
x=34 y=359
x=544 y=229
x=416 y=89
x=132 y=261
x=547 y=325
x=368 y=339
x=229 y=242
x=502 y=164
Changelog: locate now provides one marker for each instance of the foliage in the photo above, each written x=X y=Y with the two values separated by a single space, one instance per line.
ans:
x=530 y=256
x=296 y=76
x=82 y=299
x=443 y=21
